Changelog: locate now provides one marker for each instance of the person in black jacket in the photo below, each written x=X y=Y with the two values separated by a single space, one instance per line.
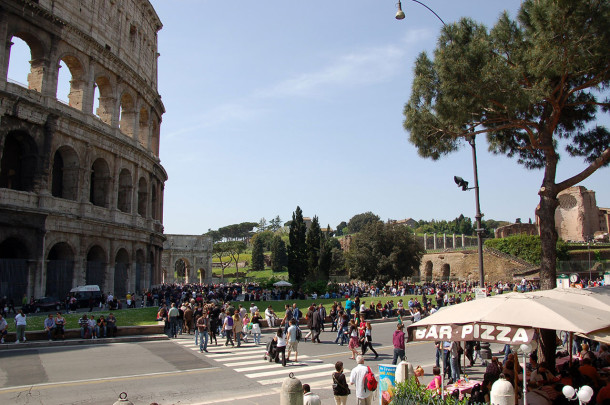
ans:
x=340 y=388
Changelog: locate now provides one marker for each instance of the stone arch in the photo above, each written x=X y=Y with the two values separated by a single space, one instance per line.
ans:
x=19 y=161
x=125 y=191
x=65 y=171
x=143 y=128
x=127 y=114
x=96 y=266
x=60 y=270
x=121 y=273
x=105 y=109
x=142 y=196
x=100 y=183
x=181 y=267
x=77 y=83
x=445 y=272
x=14 y=269
x=428 y=271
x=38 y=59
x=140 y=270
x=201 y=275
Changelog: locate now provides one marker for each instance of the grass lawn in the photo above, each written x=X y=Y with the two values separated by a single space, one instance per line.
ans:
x=148 y=316
x=124 y=317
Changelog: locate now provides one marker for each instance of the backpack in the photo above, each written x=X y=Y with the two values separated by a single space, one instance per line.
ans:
x=299 y=334
x=370 y=382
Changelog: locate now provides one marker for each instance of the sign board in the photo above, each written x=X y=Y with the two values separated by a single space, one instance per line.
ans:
x=492 y=333
x=387 y=383
x=480 y=293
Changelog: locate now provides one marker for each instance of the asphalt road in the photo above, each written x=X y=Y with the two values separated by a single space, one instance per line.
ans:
x=175 y=372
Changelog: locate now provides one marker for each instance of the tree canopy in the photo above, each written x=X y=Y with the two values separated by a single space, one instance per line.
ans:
x=297 y=250
x=530 y=85
x=358 y=221
x=383 y=252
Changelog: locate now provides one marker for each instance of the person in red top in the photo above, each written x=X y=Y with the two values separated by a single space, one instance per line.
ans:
x=398 y=339
x=604 y=393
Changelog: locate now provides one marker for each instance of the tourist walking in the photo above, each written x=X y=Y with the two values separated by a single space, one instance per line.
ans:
x=356 y=377
x=256 y=328
x=340 y=388
x=353 y=338
x=398 y=340
x=203 y=325
x=280 y=347
x=368 y=340
x=228 y=329
x=292 y=344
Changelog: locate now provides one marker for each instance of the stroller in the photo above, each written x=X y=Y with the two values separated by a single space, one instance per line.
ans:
x=270 y=353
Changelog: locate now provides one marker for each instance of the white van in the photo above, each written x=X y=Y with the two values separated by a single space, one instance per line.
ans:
x=84 y=292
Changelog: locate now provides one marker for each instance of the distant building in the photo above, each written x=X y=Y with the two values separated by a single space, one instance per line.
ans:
x=578 y=218
x=410 y=222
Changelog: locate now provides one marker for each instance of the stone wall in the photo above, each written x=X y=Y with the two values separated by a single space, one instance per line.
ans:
x=81 y=197
x=464 y=266
x=578 y=218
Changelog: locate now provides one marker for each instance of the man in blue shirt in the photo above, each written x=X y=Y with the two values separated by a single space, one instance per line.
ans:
x=49 y=326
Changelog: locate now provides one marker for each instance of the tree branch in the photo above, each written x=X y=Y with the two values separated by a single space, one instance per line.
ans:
x=572 y=181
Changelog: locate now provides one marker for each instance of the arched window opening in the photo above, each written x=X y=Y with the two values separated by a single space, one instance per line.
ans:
x=104 y=101
x=127 y=117
x=125 y=191
x=100 y=183
x=70 y=82
x=142 y=196
x=60 y=271
x=143 y=129
x=18 y=164
x=64 y=181
x=13 y=270
x=445 y=272
x=180 y=268
x=428 y=271
x=19 y=64
x=121 y=274
x=96 y=267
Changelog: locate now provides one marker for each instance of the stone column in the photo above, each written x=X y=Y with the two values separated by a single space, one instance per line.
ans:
x=444 y=241
x=454 y=241
x=434 y=235
x=463 y=241
x=425 y=241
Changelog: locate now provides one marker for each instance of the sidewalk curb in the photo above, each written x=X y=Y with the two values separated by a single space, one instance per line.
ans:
x=35 y=344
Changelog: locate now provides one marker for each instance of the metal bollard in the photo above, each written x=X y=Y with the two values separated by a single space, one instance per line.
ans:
x=502 y=393
x=123 y=400
x=292 y=391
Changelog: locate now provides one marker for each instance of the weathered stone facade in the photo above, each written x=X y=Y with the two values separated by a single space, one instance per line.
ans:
x=516 y=229
x=464 y=266
x=81 y=191
x=187 y=259
x=578 y=217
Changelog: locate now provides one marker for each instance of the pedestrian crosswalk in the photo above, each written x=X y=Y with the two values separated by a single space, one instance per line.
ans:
x=248 y=360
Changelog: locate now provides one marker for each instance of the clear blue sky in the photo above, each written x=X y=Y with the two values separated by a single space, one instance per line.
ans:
x=273 y=104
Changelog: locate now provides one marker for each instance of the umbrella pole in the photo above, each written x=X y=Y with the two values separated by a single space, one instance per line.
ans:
x=571 y=340
x=516 y=373
x=444 y=368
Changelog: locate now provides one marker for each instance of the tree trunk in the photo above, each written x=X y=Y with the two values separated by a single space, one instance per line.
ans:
x=548 y=263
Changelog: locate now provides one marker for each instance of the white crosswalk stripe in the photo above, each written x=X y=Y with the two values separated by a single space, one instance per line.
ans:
x=248 y=360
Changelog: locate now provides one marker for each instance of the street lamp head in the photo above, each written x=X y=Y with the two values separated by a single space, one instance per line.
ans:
x=461 y=182
x=400 y=15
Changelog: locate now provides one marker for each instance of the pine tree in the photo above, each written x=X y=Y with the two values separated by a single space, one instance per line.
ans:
x=314 y=235
x=279 y=258
x=258 y=256
x=297 y=251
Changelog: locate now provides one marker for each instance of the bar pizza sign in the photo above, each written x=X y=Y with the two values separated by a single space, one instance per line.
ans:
x=492 y=333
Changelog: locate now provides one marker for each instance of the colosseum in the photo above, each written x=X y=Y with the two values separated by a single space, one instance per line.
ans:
x=81 y=197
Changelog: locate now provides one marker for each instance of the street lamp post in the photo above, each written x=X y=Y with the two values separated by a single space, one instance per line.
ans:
x=400 y=15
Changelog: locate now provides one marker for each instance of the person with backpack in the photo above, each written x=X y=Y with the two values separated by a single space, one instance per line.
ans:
x=363 y=378
x=292 y=340
x=228 y=328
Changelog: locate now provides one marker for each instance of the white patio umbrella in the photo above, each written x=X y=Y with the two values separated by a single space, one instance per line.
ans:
x=282 y=283
x=597 y=297
x=527 y=310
